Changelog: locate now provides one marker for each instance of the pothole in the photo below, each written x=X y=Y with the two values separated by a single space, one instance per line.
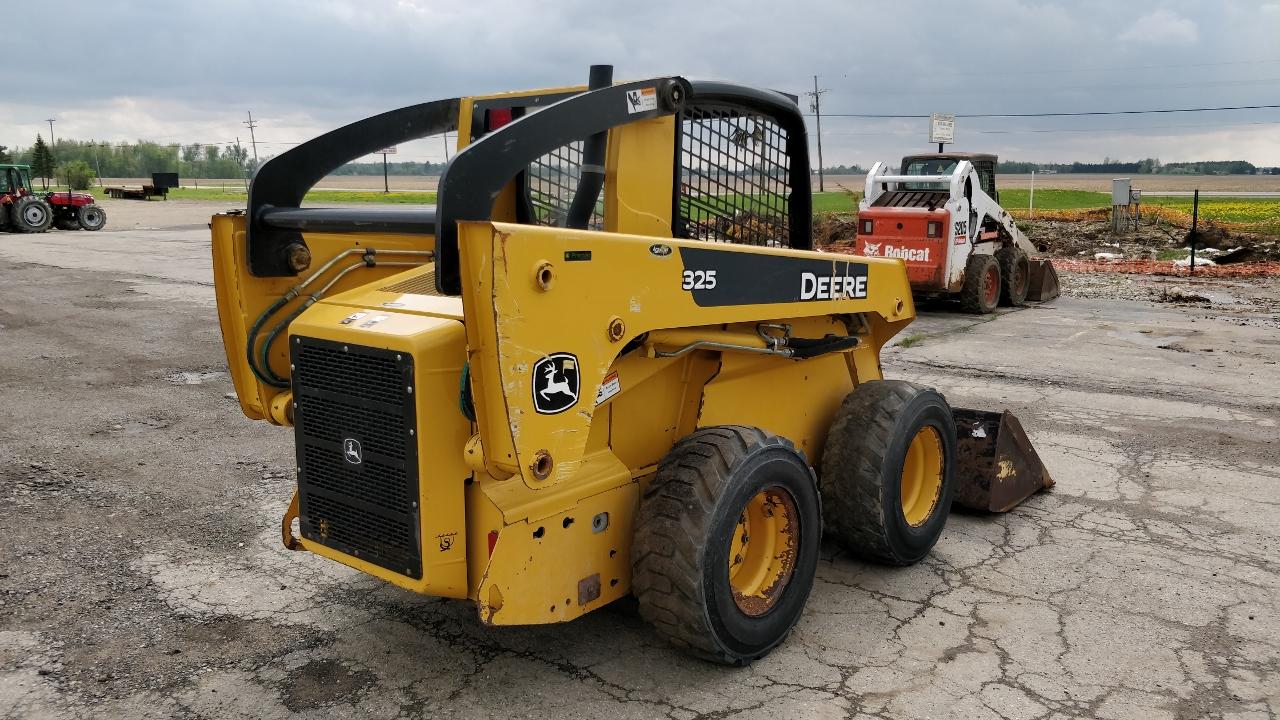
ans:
x=324 y=682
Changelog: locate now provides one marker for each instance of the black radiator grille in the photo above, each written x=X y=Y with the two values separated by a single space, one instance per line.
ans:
x=734 y=183
x=359 y=372
x=357 y=452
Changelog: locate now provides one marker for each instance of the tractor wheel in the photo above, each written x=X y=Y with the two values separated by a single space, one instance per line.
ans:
x=981 y=291
x=726 y=543
x=888 y=471
x=31 y=214
x=92 y=217
x=1015 y=275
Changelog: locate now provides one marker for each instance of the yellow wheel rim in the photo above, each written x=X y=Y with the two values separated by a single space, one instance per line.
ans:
x=922 y=477
x=762 y=552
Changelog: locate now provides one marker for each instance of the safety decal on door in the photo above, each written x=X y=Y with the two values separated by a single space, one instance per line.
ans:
x=555 y=383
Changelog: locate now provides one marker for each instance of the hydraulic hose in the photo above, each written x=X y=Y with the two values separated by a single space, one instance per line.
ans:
x=259 y=364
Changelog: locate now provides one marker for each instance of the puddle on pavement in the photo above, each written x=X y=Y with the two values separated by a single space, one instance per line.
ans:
x=194 y=378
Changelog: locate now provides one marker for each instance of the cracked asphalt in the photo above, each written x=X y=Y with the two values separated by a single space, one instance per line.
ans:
x=141 y=572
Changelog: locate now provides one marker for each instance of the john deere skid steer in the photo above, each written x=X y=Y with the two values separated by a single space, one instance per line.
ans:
x=608 y=362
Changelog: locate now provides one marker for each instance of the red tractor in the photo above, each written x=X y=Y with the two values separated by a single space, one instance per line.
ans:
x=21 y=210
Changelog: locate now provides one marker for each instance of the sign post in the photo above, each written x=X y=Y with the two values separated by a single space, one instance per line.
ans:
x=386 y=186
x=942 y=129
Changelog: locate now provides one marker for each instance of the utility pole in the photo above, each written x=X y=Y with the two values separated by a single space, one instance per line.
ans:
x=816 y=106
x=97 y=161
x=51 y=156
x=446 y=148
x=252 y=140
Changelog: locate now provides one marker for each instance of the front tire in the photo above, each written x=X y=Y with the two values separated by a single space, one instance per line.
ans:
x=981 y=292
x=92 y=217
x=32 y=214
x=726 y=543
x=888 y=471
x=1015 y=276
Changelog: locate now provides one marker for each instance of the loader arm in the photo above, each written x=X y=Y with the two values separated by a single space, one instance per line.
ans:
x=522 y=287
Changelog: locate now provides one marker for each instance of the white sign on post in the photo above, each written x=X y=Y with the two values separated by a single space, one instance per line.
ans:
x=942 y=128
x=387 y=151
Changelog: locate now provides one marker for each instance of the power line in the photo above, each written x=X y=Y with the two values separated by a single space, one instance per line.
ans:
x=1110 y=68
x=1091 y=113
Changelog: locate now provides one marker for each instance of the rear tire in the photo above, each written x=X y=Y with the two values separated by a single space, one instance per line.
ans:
x=726 y=543
x=92 y=217
x=31 y=214
x=888 y=471
x=981 y=292
x=1015 y=276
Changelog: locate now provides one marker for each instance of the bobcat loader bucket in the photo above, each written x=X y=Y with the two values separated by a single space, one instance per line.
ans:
x=996 y=467
x=1043 y=283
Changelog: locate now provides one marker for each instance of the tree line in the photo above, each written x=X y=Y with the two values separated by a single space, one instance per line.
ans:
x=133 y=160
x=1148 y=166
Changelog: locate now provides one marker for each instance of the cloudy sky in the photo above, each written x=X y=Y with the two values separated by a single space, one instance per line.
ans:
x=187 y=72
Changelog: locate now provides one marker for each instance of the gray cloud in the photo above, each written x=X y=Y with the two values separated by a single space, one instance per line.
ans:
x=186 y=72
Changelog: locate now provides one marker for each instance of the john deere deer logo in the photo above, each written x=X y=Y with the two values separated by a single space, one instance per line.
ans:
x=555 y=383
x=352 y=451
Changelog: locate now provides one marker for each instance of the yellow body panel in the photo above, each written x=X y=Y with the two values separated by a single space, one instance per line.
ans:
x=242 y=296
x=438 y=346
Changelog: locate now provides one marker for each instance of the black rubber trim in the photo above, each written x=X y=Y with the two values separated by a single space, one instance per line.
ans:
x=804 y=348
x=411 y=219
x=282 y=181
x=473 y=180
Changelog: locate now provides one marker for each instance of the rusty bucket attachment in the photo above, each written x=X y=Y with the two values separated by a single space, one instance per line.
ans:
x=996 y=467
x=1043 y=283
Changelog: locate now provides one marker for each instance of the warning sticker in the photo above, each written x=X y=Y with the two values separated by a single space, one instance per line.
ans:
x=642 y=100
x=610 y=387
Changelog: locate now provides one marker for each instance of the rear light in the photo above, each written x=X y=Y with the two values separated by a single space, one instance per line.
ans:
x=867 y=226
x=935 y=229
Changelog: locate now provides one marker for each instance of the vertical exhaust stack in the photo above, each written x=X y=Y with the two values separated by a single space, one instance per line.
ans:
x=593 y=148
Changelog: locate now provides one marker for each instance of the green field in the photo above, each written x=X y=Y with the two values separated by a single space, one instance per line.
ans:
x=1260 y=214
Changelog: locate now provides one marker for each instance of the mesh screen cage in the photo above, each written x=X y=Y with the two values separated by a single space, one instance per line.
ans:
x=550 y=183
x=735 y=177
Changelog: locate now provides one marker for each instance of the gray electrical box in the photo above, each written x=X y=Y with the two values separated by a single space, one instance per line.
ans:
x=1120 y=191
x=1135 y=196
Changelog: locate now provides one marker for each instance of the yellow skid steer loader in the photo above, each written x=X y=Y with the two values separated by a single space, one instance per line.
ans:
x=606 y=362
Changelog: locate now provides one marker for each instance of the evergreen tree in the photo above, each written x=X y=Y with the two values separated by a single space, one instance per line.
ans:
x=42 y=161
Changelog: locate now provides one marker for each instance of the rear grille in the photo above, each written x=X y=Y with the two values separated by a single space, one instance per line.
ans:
x=357 y=461
x=424 y=284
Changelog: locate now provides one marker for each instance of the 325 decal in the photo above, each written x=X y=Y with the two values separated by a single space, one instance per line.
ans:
x=698 y=280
